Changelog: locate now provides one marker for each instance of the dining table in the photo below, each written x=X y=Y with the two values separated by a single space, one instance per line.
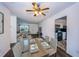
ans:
x=42 y=51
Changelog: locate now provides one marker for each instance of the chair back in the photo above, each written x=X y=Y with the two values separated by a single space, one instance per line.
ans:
x=17 y=51
x=53 y=43
x=29 y=36
x=21 y=41
x=26 y=45
x=47 y=39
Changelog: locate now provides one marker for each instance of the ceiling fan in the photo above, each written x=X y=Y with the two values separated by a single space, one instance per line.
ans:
x=37 y=10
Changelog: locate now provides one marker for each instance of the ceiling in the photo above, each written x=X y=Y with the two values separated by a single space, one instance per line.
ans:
x=18 y=8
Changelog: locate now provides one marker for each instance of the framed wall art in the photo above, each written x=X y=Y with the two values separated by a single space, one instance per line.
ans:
x=1 y=23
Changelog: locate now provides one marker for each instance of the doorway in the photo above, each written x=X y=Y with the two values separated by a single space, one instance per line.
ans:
x=61 y=32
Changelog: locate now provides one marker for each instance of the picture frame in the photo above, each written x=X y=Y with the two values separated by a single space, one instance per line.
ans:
x=1 y=23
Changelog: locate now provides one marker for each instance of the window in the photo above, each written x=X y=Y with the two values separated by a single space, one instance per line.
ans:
x=24 y=28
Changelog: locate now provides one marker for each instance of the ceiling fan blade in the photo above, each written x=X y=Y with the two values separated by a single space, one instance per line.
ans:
x=29 y=10
x=35 y=4
x=43 y=14
x=45 y=9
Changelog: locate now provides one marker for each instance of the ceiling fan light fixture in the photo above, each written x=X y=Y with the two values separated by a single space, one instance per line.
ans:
x=37 y=10
x=40 y=13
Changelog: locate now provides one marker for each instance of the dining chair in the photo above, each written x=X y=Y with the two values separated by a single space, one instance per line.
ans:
x=47 y=39
x=53 y=44
x=17 y=51
x=29 y=36
x=32 y=41
x=25 y=44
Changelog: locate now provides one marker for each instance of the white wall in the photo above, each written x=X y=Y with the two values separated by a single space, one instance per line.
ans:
x=5 y=37
x=13 y=23
x=48 y=27
x=72 y=14
x=33 y=28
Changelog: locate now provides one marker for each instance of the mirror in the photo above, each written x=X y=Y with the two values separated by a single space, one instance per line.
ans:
x=61 y=32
